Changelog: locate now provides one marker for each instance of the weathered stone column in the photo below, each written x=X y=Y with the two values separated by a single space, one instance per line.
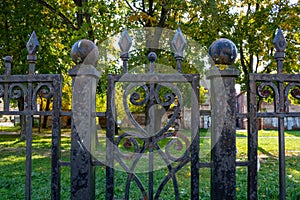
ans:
x=84 y=81
x=223 y=120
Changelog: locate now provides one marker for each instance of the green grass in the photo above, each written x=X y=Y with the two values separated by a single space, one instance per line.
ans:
x=12 y=168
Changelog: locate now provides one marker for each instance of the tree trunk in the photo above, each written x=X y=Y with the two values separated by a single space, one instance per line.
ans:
x=40 y=117
x=46 y=116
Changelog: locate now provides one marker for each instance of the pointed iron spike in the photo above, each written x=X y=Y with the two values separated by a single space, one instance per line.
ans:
x=125 y=41
x=179 y=43
x=279 y=41
x=32 y=44
x=179 y=30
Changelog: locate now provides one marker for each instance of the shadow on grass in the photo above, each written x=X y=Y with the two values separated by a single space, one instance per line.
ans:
x=262 y=150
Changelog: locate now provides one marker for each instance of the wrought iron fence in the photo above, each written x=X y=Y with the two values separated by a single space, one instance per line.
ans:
x=145 y=90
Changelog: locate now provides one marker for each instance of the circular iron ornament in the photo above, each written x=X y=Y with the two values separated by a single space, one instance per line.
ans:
x=223 y=51
x=174 y=154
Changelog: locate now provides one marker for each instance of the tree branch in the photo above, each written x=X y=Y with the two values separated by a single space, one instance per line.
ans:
x=256 y=67
x=243 y=60
x=67 y=21
x=133 y=10
x=163 y=16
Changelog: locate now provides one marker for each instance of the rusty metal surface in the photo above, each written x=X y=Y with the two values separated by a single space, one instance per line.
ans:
x=28 y=88
x=223 y=162
x=279 y=86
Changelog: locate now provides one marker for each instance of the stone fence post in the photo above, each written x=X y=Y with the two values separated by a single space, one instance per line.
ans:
x=223 y=119
x=83 y=139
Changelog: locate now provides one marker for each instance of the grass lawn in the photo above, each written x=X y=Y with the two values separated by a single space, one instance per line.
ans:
x=12 y=168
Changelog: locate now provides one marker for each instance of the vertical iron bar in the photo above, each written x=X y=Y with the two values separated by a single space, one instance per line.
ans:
x=195 y=119
x=282 y=181
x=151 y=132
x=280 y=45
x=151 y=176
x=178 y=43
x=110 y=132
x=252 y=138
x=179 y=63
x=28 y=105
x=32 y=47
x=55 y=165
x=28 y=156
x=125 y=43
x=152 y=126
x=125 y=58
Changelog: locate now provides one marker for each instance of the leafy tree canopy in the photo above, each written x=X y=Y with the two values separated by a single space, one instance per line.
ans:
x=251 y=25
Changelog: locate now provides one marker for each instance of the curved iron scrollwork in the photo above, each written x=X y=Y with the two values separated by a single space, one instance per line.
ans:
x=17 y=90
x=164 y=95
x=137 y=100
x=178 y=142
x=265 y=90
x=178 y=145
x=139 y=95
x=44 y=90
x=135 y=97
x=294 y=90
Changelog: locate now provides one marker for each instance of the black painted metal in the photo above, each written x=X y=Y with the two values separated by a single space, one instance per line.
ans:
x=151 y=84
x=28 y=88
x=151 y=137
x=223 y=164
x=263 y=85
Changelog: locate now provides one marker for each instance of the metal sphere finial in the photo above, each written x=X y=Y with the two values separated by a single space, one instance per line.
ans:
x=8 y=59
x=223 y=51
x=152 y=57
x=85 y=52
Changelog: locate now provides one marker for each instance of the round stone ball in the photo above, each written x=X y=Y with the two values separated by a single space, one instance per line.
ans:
x=223 y=51
x=85 y=51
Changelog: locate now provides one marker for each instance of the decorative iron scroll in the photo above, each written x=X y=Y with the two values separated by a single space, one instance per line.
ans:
x=135 y=98
x=294 y=90
x=265 y=90
x=44 y=90
x=270 y=90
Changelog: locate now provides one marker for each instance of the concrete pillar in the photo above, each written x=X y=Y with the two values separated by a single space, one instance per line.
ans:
x=83 y=142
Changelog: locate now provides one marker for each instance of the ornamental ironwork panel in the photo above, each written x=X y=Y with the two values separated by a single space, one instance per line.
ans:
x=152 y=92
